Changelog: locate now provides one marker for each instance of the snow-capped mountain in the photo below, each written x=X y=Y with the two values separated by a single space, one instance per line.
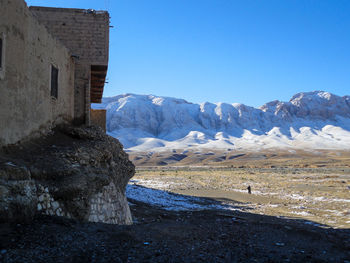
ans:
x=310 y=120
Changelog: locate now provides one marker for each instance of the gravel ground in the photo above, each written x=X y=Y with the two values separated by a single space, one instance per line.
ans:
x=169 y=236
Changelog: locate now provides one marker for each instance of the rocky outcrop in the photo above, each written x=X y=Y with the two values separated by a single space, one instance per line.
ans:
x=79 y=173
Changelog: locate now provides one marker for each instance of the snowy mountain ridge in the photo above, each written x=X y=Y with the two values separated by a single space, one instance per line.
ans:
x=310 y=120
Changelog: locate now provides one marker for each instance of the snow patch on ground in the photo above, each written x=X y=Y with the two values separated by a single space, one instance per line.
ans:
x=170 y=201
x=303 y=213
x=152 y=184
x=154 y=193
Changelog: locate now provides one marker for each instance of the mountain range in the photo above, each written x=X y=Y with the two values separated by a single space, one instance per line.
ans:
x=310 y=120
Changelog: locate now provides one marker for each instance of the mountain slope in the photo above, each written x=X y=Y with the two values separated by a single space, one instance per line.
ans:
x=310 y=120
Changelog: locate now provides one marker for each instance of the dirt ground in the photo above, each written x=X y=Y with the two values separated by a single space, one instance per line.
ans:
x=320 y=195
x=168 y=236
x=242 y=159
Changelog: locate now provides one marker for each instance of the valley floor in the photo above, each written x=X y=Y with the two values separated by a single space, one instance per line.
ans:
x=320 y=195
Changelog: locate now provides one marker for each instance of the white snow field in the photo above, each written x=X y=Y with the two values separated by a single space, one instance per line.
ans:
x=310 y=120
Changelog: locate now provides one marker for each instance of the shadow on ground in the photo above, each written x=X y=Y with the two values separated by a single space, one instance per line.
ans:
x=159 y=235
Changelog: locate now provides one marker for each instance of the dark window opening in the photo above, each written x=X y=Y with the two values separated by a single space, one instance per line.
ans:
x=54 y=82
x=1 y=53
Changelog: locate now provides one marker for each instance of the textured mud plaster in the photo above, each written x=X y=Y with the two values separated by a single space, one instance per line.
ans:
x=98 y=118
x=26 y=104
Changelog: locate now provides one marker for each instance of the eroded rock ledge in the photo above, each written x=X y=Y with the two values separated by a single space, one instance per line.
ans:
x=79 y=173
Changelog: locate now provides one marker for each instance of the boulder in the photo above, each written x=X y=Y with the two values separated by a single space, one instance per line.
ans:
x=76 y=172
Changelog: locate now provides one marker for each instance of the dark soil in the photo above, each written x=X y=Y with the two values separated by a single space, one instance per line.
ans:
x=162 y=236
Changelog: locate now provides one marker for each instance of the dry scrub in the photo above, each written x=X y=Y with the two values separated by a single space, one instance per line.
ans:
x=321 y=195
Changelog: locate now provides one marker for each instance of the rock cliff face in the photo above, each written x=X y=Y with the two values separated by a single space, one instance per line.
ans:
x=79 y=173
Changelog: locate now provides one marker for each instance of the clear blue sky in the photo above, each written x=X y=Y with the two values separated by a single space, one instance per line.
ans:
x=247 y=51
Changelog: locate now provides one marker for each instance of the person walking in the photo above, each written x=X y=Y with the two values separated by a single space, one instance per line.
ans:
x=249 y=189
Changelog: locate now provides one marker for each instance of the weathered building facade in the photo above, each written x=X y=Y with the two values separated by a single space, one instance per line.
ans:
x=53 y=64
x=86 y=34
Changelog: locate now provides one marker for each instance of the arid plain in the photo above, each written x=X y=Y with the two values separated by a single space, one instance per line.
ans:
x=314 y=186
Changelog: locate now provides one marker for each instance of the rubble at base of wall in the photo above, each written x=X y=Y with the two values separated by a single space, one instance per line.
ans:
x=78 y=173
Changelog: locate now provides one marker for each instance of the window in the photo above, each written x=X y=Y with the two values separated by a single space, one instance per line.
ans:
x=54 y=82
x=2 y=55
x=1 y=52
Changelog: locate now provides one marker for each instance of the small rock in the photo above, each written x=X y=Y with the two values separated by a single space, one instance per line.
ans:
x=55 y=205
x=279 y=244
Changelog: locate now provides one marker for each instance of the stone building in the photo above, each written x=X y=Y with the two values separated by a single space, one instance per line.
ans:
x=53 y=65
x=86 y=34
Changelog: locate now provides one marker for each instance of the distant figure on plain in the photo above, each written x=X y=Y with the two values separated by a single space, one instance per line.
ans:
x=249 y=189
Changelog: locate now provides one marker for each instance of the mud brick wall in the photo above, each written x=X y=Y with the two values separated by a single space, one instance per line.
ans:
x=27 y=107
x=86 y=34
